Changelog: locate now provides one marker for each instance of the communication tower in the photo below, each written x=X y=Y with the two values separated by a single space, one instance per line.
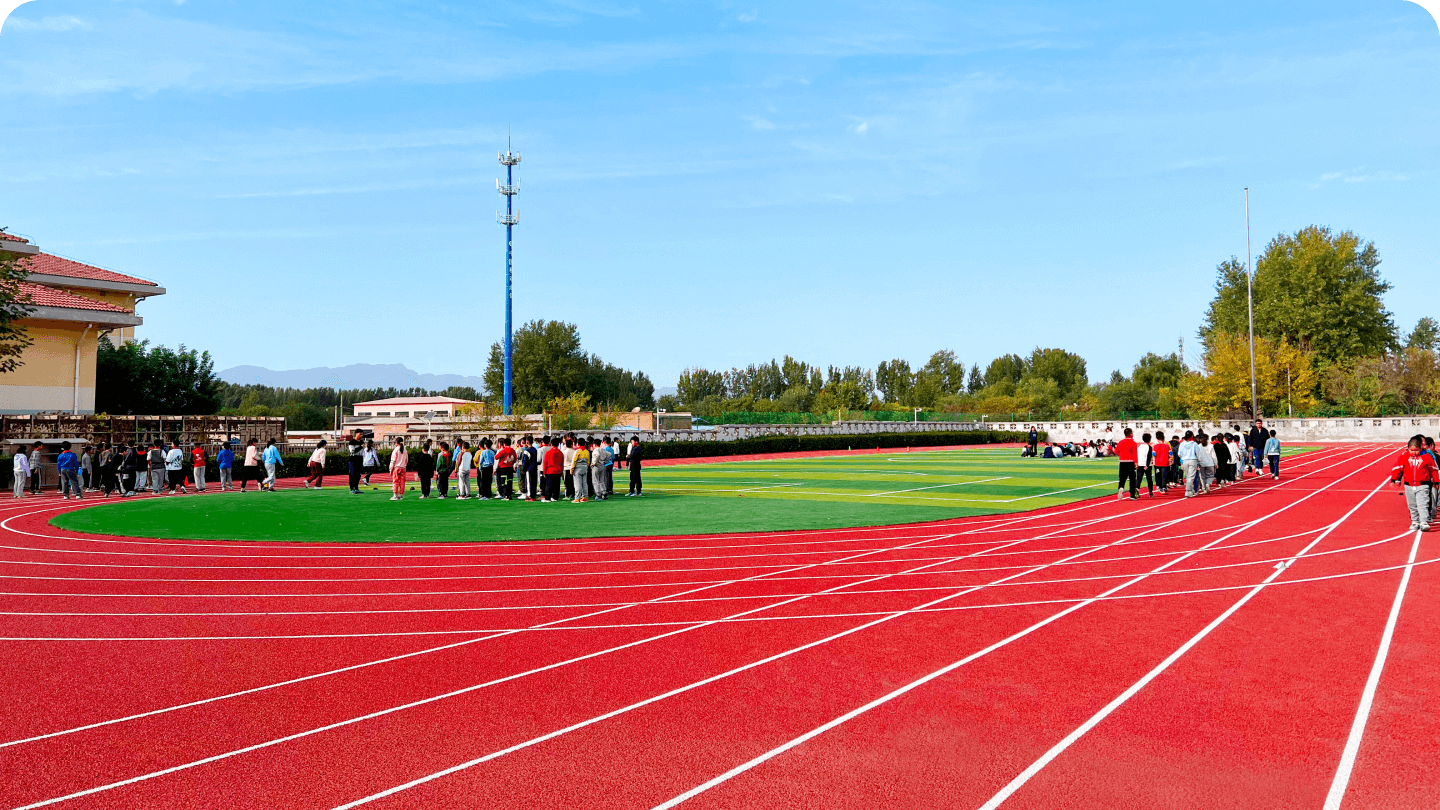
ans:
x=509 y=219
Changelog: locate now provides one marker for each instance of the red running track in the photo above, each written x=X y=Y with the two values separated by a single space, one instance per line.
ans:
x=1271 y=645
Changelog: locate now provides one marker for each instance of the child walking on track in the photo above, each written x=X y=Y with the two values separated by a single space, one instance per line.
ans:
x=1126 y=452
x=399 y=460
x=1417 y=472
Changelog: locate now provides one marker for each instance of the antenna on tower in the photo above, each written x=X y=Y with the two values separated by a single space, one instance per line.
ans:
x=509 y=219
x=1182 y=352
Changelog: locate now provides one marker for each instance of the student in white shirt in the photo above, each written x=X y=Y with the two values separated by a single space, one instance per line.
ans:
x=22 y=471
x=1142 y=464
x=463 y=462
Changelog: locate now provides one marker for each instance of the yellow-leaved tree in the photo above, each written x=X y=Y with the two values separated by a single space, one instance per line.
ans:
x=1284 y=374
x=570 y=412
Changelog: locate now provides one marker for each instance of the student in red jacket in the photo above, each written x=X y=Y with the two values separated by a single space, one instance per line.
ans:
x=1162 y=462
x=1417 y=471
x=1125 y=451
x=552 y=466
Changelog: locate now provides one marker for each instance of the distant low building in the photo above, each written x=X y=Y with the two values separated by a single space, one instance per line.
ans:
x=73 y=305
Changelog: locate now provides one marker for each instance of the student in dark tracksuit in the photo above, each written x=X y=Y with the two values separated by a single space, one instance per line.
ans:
x=355 y=461
x=634 y=457
x=424 y=468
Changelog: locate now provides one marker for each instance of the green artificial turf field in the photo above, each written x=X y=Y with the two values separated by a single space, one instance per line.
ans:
x=739 y=496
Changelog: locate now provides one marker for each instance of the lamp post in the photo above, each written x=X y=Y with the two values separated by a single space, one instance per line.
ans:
x=1250 y=304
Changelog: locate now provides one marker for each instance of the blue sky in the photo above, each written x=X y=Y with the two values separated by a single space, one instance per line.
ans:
x=714 y=183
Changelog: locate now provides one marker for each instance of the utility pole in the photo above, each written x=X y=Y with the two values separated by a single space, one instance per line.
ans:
x=509 y=219
x=1250 y=301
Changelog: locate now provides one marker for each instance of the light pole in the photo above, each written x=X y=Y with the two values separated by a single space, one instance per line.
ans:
x=1250 y=303
x=510 y=219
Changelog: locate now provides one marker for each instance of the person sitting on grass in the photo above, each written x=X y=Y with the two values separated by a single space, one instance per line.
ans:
x=1417 y=472
x=399 y=461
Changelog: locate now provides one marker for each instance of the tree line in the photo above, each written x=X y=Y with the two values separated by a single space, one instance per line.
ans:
x=1324 y=343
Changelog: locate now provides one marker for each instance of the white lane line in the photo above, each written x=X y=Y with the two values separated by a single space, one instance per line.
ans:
x=978 y=531
x=856 y=712
x=801 y=617
x=697 y=684
x=488 y=547
x=350 y=721
x=1120 y=700
x=937 y=486
x=711 y=599
x=493 y=634
x=1341 y=782
x=268 y=743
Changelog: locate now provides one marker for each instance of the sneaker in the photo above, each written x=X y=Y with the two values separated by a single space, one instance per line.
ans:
x=1120 y=496
x=394 y=497
x=1424 y=527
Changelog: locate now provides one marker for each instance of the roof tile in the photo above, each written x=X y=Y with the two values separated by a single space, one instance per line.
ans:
x=42 y=296
x=60 y=266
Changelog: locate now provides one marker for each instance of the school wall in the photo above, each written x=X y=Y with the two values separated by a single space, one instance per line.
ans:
x=1396 y=429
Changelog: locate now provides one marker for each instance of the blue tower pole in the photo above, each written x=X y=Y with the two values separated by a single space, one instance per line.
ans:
x=508 y=159
x=509 y=265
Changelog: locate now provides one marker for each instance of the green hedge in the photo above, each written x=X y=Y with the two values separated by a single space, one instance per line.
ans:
x=861 y=441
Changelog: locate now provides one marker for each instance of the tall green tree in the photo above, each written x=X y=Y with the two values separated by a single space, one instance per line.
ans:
x=14 y=305
x=1315 y=288
x=1067 y=369
x=696 y=384
x=1005 y=369
x=134 y=378
x=549 y=364
x=894 y=379
x=945 y=371
x=1425 y=335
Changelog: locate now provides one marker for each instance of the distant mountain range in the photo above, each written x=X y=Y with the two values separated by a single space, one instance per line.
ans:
x=358 y=375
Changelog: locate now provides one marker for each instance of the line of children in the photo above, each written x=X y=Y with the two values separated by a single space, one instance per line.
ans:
x=1418 y=473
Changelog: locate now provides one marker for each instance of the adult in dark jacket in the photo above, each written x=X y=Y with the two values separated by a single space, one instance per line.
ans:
x=1255 y=442
x=635 y=456
x=355 y=461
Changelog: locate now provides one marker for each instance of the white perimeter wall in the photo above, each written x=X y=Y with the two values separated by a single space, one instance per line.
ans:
x=1396 y=429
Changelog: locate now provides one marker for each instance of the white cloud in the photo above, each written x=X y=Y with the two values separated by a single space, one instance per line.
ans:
x=760 y=123
x=67 y=22
x=749 y=16
x=860 y=128
x=1360 y=175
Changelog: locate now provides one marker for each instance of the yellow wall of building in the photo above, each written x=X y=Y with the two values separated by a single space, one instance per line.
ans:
x=46 y=378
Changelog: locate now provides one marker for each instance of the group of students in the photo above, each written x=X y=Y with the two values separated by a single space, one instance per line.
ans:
x=550 y=469
x=126 y=470
x=1417 y=471
x=1197 y=462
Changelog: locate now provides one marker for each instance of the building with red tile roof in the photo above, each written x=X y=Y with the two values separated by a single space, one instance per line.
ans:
x=72 y=304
